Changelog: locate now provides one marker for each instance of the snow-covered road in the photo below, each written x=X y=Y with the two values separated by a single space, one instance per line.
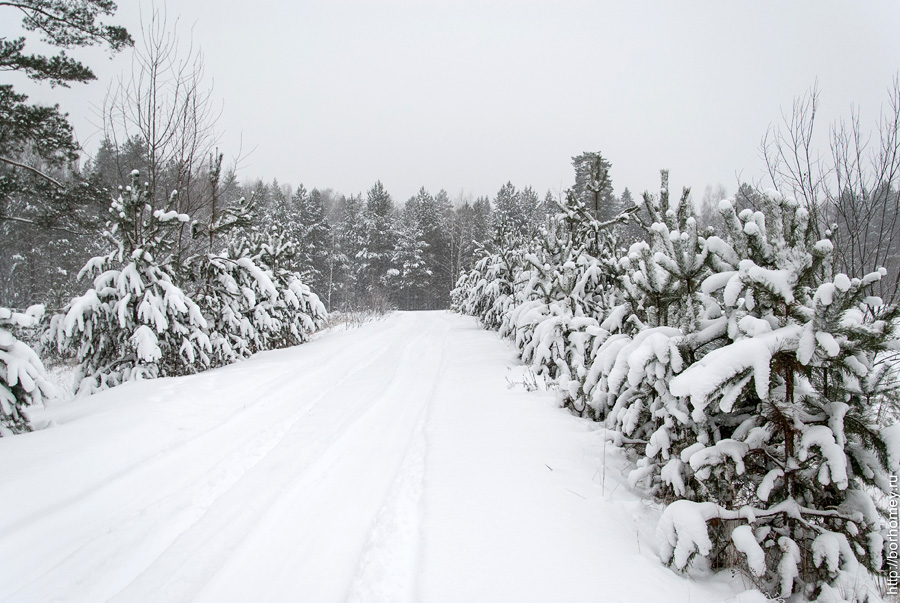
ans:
x=392 y=462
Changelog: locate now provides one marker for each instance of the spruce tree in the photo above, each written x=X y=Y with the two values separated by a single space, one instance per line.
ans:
x=314 y=242
x=347 y=258
x=410 y=278
x=510 y=223
x=376 y=256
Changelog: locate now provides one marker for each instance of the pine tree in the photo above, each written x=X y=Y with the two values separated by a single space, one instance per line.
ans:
x=41 y=131
x=483 y=218
x=790 y=436
x=434 y=218
x=564 y=295
x=226 y=287
x=279 y=211
x=593 y=185
x=488 y=290
x=134 y=322
x=670 y=324
x=264 y=304
x=261 y=194
x=510 y=223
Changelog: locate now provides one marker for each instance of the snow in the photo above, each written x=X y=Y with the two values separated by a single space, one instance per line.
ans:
x=704 y=377
x=750 y=596
x=824 y=247
x=745 y=542
x=672 y=475
x=29 y=318
x=828 y=547
x=891 y=437
x=825 y=294
x=146 y=345
x=828 y=343
x=715 y=455
x=682 y=531
x=768 y=483
x=777 y=281
x=716 y=281
x=167 y=216
x=79 y=306
x=787 y=568
x=387 y=463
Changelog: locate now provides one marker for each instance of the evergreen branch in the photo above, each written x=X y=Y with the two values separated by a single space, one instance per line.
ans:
x=76 y=28
x=59 y=69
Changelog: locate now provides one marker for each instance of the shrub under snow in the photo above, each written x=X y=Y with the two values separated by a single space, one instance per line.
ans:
x=253 y=304
x=22 y=379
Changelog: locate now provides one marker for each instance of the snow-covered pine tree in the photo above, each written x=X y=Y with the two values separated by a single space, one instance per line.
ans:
x=23 y=382
x=349 y=242
x=278 y=208
x=376 y=256
x=510 y=223
x=469 y=229
x=277 y=310
x=226 y=287
x=517 y=216
x=487 y=291
x=593 y=185
x=134 y=322
x=313 y=241
x=230 y=291
x=669 y=325
x=793 y=450
x=567 y=288
x=432 y=215
x=410 y=279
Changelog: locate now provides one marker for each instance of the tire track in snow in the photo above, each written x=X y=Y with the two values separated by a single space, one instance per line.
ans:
x=236 y=421
x=387 y=571
x=200 y=553
x=177 y=511
x=307 y=545
x=389 y=564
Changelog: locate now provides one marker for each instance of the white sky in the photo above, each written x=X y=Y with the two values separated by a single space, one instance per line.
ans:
x=465 y=95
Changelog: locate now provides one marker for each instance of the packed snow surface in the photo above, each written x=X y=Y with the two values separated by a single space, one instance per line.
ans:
x=402 y=461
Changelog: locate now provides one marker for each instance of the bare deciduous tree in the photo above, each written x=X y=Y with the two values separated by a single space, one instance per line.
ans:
x=864 y=200
x=165 y=106
x=851 y=193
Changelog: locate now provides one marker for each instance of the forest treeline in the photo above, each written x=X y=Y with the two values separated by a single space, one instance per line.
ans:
x=355 y=252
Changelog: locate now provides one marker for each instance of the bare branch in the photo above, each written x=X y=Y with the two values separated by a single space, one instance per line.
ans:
x=33 y=170
x=33 y=223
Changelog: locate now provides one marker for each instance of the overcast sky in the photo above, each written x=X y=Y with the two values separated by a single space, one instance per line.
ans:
x=466 y=95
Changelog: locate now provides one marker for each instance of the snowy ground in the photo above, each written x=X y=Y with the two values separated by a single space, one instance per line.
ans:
x=392 y=462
